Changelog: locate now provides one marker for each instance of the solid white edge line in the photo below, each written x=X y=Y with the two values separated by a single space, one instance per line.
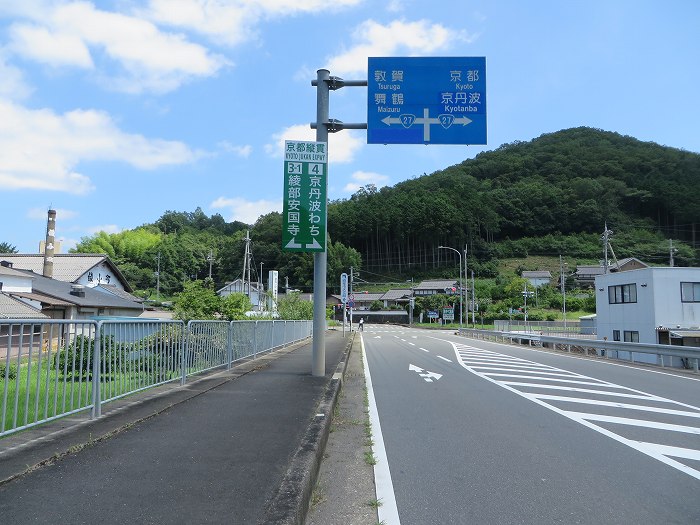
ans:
x=388 y=512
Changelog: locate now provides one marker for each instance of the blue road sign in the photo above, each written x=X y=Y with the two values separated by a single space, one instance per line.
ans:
x=426 y=100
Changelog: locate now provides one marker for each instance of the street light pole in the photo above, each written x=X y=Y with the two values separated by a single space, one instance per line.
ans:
x=461 y=304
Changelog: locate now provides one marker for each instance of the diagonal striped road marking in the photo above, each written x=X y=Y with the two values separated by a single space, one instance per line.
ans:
x=518 y=375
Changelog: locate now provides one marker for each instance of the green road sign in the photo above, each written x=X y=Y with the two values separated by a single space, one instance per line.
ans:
x=448 y=314
x=304 y=214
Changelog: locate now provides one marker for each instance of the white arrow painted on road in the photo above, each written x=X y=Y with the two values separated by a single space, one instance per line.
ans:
x=425 y=374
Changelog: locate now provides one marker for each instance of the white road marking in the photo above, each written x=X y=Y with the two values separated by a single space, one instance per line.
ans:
x=388 y=512
x=529 y=378
x=424 y=350
x=444 y=358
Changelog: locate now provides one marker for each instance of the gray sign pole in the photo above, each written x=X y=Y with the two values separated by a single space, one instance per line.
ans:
x=318 y=366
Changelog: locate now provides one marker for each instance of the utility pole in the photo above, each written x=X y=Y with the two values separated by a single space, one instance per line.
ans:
x=158 y=277
x=473 y=301
x=562 y=278
x=352 y=278
x=261 y=289
x=606 y=243
x=672 y=250
x=466 y=286
x=246 y=264
x=210 y=258
x=525 y=294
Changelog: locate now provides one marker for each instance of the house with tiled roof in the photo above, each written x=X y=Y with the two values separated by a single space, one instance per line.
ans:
x=28 y=295
x=396 y=297
x=432 y=287
x=585 y=275
x=537 y=278
x=86 y=269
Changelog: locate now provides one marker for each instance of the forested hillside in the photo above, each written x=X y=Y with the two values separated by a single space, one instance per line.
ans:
x=567 y=183
x=550 y=196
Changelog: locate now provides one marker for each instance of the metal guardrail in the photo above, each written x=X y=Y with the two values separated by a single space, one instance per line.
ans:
x=54 y=368
x=685 y=356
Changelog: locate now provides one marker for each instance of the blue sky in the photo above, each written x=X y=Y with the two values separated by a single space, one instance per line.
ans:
x=112 y=112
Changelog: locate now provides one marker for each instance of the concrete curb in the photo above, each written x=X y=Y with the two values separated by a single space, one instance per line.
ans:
x=290 y=503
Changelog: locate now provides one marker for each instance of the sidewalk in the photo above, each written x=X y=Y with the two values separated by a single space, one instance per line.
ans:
x=236 y=447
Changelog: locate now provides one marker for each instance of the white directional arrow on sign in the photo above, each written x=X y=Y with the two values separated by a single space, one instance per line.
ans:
x=314 y=245
x=293 y=244
x=445 y=120
x=425 y=374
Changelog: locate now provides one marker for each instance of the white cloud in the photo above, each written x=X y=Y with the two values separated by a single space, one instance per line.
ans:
x=107 y=228
x=396 y=38
x=55 y=49
x=241 y=151
x=395 y=6
x=41 y=149
x=234 y=21
x=12 y=84
x=342 y=146
x=363 y=178
x=42 y=213
x=77 y=33
x=246 y=211
x=68 y=244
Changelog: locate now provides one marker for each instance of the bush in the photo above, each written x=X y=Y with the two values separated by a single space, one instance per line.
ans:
x=8 y=370
x=77 y=359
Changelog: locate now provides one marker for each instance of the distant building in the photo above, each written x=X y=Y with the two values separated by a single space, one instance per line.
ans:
x=363 y=300
x=585 y=275
x=437 y=287
x=86 y=269
x=27 y=295
x=255 y=292
x=396 y=298
x=537 y=278
x=657 y=305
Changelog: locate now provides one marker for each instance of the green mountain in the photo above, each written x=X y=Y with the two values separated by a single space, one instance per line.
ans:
x=550 y=196
x=553 y=194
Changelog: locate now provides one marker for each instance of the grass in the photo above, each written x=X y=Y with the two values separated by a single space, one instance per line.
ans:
x=40 y=391
x=375 y=503
x=369 y=458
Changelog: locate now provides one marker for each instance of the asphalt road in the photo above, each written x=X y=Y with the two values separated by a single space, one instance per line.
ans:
x=479 y=432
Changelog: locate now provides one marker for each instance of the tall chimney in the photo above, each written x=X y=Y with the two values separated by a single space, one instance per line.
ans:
x=49 y=246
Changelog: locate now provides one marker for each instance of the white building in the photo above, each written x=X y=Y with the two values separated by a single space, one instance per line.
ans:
x=254 y=291
x=537 y=278
x=650 y=305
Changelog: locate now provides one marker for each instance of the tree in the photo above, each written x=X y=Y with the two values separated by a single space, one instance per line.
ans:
x=6 y=247
x=293 y=307
x=235 y=306
x=196 y=301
